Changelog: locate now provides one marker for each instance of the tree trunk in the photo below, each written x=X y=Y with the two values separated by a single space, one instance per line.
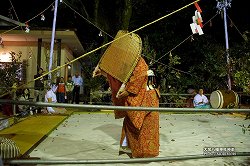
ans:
x=112 y=16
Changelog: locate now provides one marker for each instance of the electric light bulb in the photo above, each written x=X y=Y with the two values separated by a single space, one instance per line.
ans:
x=42 y=17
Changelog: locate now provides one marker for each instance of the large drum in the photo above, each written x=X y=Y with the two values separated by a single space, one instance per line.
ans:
x=224 y=99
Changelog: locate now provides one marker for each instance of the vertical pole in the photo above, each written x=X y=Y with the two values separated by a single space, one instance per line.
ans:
x=39 y=53
x=52 y=40
x=59 y=46
x=14 y=98
x=227 y=45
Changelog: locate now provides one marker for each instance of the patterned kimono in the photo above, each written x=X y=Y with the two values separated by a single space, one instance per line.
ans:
x=141 y=128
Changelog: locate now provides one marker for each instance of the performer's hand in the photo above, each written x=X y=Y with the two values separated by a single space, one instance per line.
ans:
x=96 y=72
x=122 y=94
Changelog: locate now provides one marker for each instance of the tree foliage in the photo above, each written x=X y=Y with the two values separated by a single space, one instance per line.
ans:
x=241 y=66
x=10 y=72
x=199 y=63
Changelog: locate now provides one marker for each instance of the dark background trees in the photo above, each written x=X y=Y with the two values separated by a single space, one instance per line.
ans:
x=184 y=60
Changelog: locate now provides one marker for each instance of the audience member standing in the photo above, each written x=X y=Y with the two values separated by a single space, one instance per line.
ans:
x=69 y=89
x=61 y=90
x=78 y=82
x=39 y=86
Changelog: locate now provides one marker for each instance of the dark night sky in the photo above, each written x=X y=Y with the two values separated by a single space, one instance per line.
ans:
x=27 y=9
x=163 y=35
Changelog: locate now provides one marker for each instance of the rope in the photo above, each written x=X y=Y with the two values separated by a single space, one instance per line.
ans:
x=184 y=40
x=22 y=29
x=157 y=61
x=163 y=17
x=90 y=52
x=235 y=27
x=29 y=19
x=88 y=20
x=26 y=39
x=14 y=10
x=113 y=38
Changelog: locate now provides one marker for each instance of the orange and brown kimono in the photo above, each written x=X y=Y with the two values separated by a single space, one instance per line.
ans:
x=141 y=128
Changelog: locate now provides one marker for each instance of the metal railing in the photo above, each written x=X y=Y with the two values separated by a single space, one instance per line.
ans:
x=163 y=100
x=85 y=107
x=115 y=161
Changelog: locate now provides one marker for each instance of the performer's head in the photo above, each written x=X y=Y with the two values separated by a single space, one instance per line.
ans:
x=151 y=78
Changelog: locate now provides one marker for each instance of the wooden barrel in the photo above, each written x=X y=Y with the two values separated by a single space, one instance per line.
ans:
x=224 y=99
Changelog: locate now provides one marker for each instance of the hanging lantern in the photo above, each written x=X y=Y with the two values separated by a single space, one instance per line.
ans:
x=42 y=17
x=210 y=23
x=231 y=24
x=27 y=29
x=100 y=33
x=192 y=38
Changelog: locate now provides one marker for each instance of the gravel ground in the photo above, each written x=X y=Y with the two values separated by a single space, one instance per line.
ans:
x=94 y=136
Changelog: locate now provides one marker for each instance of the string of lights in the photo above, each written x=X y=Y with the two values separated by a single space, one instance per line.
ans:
x=101 y=30
x=92 y=51
x=236 y=27
x=26 y=30
x=154 y=61
x=14 y=11
x=38 y=15
x=157 y=61
x=190 y=36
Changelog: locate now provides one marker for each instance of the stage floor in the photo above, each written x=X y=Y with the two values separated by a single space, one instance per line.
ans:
x=96 y=136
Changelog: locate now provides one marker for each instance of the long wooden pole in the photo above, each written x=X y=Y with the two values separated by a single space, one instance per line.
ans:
x=227 y=45
x=52 y=39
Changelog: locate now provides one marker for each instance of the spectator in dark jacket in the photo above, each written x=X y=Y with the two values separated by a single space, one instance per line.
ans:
x=39 y=86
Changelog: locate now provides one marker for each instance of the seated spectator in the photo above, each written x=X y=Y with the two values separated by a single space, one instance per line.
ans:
x=50 y=97
x=190 y=99
x=24 y=110
x=23 y=96
x=200 y=100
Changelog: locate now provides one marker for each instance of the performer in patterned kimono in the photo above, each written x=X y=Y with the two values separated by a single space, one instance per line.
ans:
x=140 y=132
